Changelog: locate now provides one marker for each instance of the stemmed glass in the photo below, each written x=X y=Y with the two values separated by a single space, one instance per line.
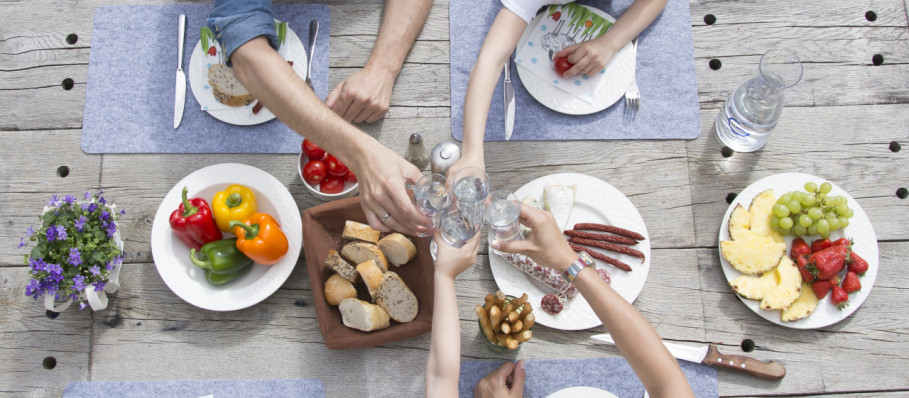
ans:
x=431 y=196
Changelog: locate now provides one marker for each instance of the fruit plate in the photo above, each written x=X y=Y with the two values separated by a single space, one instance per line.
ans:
x=859 y=230
x=188 y=281
x=596 y=201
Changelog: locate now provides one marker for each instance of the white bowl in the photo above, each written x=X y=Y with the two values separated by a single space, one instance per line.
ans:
x=350 y=188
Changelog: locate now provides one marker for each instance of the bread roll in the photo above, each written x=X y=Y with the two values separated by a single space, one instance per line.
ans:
x=358 y=252
x=356 y=231
x=363 y=316
x=335 y=262
x=397 y=249
x=337 y=288
x=396 y=298
x=372 y=276
x=226 y=88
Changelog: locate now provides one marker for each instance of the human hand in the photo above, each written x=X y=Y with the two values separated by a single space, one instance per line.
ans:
x=589 y=57
x=545 y=244
x=464 y=161
x=452 y=261
x=381 y=174
x=506 y=381
x=364 y=96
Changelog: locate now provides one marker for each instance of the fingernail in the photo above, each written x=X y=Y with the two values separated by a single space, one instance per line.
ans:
x=521 y=363
x=496 y=245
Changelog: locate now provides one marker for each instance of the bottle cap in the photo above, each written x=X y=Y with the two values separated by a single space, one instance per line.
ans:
x=416 y=139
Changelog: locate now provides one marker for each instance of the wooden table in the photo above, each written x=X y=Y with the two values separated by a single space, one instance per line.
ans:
x=845 y=121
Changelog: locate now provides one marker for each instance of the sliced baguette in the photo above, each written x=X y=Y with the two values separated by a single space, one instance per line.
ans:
x=226 y=88
x=397 y=249
x=396 y=298
x=342 y=267
x=363 y=316
x=358 y=252
x=372 y=275
x=357 y=231
x=337 y=288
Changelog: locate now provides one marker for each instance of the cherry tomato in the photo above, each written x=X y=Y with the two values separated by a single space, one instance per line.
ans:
x=335 y=167
x=332 y=184
x=312 y=151
x=561 y=65
x=350 y=177
x=314 y=172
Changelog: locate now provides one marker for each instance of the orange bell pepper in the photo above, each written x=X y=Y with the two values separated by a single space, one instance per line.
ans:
x=260 y=238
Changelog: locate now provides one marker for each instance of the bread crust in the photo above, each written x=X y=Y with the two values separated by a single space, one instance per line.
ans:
x=337 y=288
x=396 y=298
x=359 y=252
x=397 y=249
x=358 y=231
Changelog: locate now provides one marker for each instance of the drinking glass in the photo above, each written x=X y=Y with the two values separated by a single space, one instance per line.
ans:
x=471 y=187
x=502 y=215
x=431 y=196
x=458 y=227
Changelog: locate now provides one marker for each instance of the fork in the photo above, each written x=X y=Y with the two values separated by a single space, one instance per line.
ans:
x=633 y=94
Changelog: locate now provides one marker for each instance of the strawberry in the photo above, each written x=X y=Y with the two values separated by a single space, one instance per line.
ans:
x=839 y=297
x=212 y=51
x=556 y=15
x=799 y=248
x=802 y=262
x=822 y=287
x=858 y=264
x=826 y=263
x=843 y=242
x=851 y=283
x=820 y=244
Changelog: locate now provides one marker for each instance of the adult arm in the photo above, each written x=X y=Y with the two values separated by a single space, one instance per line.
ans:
x=633 y=334
x=365 y=96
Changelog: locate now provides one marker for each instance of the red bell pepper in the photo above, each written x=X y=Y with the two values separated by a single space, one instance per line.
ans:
x=193 y=223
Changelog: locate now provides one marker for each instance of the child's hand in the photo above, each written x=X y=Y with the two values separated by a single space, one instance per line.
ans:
x=588 y=57
x=452 y=261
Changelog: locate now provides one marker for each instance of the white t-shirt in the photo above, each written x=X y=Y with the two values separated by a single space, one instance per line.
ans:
x=527 y=9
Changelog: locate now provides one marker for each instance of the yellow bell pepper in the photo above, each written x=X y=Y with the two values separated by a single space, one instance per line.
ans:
x=236 y=202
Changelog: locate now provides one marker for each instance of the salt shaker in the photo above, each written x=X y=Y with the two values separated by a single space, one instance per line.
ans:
x=416 y=153
x=443 y=156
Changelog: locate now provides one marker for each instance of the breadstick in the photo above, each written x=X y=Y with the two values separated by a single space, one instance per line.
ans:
x=490 y=301
x=520 y=300
x=495 y=317
x=523 y=336
x=511 y=343
x=603 y=237
x=501 y=339
x=516 y=326
x=528 y=321
x=506 y=328
x=485 y=327
x=609 y=228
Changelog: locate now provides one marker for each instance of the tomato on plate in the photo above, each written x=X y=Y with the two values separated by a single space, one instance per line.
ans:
x=335 y=167
x=561 y=65
x=314 y=172
x=312 y=151
x=332 y=184
x=350 y=177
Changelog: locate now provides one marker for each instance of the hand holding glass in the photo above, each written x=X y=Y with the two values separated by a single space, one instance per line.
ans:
x=458 y=227
x=431 y=196
x=471 y=188
x=502 y=216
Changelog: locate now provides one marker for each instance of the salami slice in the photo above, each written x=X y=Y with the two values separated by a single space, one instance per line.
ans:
x=605 y=275
x=551 y=304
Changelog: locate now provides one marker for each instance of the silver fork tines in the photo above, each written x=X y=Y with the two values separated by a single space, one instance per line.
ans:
x=633 y=94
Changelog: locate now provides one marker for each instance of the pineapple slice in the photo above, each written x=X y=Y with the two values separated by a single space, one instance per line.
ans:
x=753 y=287
x=752 y=254
x=760 y=209
x=739 y=222
x=787 y=291
x=802 y=307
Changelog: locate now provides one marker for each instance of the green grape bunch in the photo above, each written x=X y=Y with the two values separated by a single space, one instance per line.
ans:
x=810 y=212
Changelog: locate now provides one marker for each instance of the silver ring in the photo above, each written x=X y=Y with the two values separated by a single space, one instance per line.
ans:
x=385 y=217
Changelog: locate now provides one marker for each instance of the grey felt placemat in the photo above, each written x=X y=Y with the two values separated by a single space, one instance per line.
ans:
x=196 y=389
x=129 y=96
x=665 y=74
x=546 y=376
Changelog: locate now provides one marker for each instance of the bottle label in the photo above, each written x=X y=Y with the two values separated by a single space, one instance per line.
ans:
x=736 y=127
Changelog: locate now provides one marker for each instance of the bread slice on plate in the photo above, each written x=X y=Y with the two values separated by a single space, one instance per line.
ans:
x=337 y=288
x=372 y=276
x=226 y=88
x=342 y=267
x=364 y=316
x=398 y=249
x=357 y=231
x=396 y=298
x=359 y=252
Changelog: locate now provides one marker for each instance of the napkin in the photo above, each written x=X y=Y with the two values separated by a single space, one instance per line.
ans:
x=560 y=26
x=197 y=388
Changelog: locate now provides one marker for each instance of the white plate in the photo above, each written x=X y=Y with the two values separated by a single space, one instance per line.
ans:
x=291 y=50
x=186 y=280
x=598 y=202
x=859 y=229
x=582 y=391
x=618 y=76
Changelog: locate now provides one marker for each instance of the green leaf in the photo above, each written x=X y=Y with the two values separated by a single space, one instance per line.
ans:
x=203 y=35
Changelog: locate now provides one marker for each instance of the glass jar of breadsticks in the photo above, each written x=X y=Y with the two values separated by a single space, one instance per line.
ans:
x=505 y=321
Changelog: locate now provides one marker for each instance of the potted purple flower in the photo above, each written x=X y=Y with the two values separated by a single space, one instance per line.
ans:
x=77 y=253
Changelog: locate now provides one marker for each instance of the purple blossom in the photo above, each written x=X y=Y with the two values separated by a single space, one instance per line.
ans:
x=37 y=265
x=80 y=223
x=51 y=233
x=84 y=206
x=122 y=211
x=75 y=258
x=54 y=273
x=81 y=305
x=78 y=283
x=69 y=199
x=99 y=286
x=92 y=207
x=33 y=288
x=87 y=195
x=21 y=243
x=54 y=200
x=95 y=270
x=61 y=232
x=105 y=215
x=111 y=230
x=29 y=232
x=101 y=199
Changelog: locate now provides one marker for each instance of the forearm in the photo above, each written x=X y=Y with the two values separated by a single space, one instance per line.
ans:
x=444 y=365
x=635 y=19
x=402 y=22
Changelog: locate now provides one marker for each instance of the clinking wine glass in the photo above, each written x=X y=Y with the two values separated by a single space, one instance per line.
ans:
x=471 y=188
x=458 y=226
x=431 y=197
x=502 y=216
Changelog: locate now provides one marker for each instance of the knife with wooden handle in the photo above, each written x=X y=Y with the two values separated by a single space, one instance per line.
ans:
x=710 y=355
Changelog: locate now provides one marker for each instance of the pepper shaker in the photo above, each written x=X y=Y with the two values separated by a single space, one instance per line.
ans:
x=416 y=152
x=443 y=156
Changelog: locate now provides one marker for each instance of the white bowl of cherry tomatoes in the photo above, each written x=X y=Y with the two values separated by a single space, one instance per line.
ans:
x=324 y=175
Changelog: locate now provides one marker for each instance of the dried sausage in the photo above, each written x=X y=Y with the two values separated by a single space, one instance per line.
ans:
x=600 y=256
x=603 y=237
x=608 y=246
x=609 y=228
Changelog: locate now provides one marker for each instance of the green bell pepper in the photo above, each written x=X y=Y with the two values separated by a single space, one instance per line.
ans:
x=222 y=261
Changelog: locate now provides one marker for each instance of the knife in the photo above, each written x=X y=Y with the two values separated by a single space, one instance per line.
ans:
x=710 y=355
x=180 y=88
x=313 y=32
x=509 y=102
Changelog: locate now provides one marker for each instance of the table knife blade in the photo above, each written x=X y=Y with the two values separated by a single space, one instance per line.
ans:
x=180 y=88
x=509 y=102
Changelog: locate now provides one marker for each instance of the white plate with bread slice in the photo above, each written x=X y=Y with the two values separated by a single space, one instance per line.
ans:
x=240 y=112
x=595 y=201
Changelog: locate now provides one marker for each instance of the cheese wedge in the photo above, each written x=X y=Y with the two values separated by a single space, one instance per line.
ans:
x=559 y=199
